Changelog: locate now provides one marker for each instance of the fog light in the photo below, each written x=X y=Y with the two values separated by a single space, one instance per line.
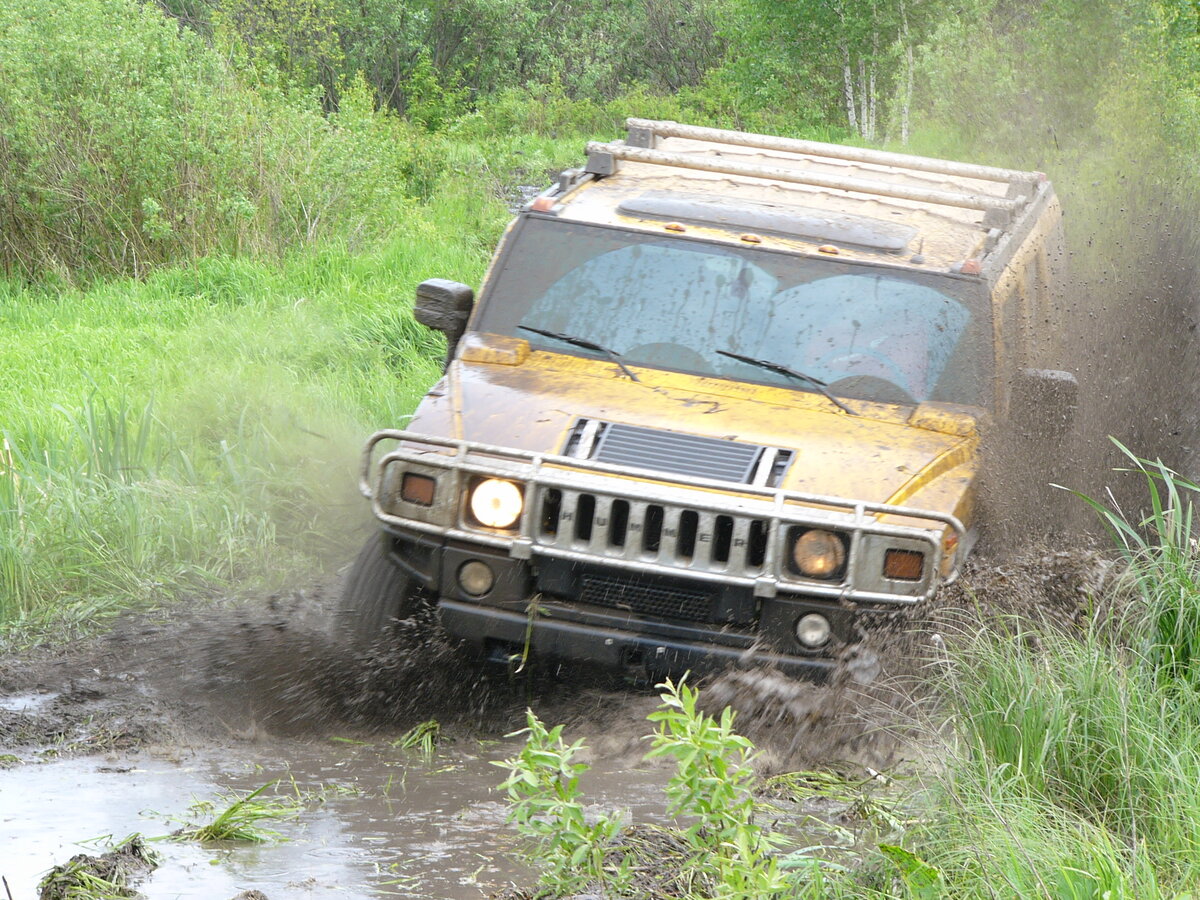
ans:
x=475 y=577
x=496 y=503
x=813 y=631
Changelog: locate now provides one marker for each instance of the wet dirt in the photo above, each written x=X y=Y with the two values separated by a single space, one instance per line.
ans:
x=123 y=732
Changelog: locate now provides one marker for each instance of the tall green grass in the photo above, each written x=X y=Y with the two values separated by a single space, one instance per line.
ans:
x=200 y=429
x=1075 y=771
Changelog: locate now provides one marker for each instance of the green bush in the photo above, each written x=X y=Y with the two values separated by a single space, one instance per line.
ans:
x=126 y=142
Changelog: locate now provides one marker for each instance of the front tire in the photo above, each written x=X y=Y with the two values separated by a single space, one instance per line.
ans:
x=376 y=591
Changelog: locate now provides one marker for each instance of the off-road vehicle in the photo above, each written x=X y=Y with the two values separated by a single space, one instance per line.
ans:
x=720 y=399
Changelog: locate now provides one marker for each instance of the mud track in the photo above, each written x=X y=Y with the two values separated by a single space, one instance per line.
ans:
x=265 y=682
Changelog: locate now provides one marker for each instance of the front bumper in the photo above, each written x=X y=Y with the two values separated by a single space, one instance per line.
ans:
x=552 y=608
x=615 y=648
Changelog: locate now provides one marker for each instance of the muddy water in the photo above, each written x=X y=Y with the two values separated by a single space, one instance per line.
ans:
x=374 y=820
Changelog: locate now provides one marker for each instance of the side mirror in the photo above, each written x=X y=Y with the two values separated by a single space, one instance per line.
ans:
x=1044 y=401
x=444 y=306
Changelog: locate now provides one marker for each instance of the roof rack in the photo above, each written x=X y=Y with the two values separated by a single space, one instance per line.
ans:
x=643 y=135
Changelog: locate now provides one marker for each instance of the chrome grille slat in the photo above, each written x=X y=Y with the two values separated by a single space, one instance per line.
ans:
x=600 y=521
x=702 y=556
x=567 y=522
x=670 y=535
x=739 y=552
x=637 y=529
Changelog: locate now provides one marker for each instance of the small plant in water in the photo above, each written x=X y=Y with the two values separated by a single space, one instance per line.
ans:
x=545 y=804
x=713 y=783
x=422 y=738
x=108 y=876
x=717 y=850
x=241 y=820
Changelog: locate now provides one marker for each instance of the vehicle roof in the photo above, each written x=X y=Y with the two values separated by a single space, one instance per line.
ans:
x=947 y=212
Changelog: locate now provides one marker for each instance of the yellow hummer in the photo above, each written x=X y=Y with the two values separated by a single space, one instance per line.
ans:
x=720 y=400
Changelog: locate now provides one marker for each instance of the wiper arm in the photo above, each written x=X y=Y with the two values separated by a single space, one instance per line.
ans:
x=586 y=345
x=791 y=373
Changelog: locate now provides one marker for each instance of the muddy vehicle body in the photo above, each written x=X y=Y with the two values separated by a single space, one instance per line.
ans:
x=720 y=400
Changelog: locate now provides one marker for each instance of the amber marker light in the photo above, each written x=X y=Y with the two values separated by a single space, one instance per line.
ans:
x=903 y=565
x=418 y=489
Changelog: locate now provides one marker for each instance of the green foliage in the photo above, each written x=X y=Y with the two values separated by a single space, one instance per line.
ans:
x=545 y=804
x=241 y=819
x=126 y=142
x=1109 y=87
x=422 y=737
x=1162 y=572
x=714 y=783
x=201 y=428
x=715 y=849
x=1078 y=766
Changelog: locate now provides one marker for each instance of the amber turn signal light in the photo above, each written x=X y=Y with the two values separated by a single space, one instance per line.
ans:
x=903 y=565
x=417 y=489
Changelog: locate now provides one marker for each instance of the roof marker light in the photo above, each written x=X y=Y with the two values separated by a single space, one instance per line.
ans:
x=829 y=248
x=542 y=204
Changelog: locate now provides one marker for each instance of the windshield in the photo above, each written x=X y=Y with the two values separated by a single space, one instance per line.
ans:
x=866 y=332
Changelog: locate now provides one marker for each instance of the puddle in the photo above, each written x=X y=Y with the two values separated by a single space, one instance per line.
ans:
x=27 y=703
x=375 y=821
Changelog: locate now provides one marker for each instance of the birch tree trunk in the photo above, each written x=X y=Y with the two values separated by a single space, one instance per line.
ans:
x=848 y=83
x=862 y=96
x=907 y=91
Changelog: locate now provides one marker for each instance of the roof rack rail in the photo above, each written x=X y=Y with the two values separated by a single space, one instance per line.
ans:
x=643 y=132
x=602 y=160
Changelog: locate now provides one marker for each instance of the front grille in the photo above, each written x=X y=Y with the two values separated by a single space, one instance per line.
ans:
x=693 y=604
x=619 y=528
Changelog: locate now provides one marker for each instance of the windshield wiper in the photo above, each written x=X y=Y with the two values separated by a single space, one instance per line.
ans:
x=792 y=373
x=586 y=345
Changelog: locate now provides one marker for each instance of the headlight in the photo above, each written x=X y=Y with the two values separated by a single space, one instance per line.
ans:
x=819 y=554
x=496 y=503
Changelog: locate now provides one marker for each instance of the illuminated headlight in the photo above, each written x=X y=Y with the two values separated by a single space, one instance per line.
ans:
x=496 y=503
x=819 y=554
x=812 y=631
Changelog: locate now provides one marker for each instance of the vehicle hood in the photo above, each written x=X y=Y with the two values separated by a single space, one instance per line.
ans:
x=877 y=456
